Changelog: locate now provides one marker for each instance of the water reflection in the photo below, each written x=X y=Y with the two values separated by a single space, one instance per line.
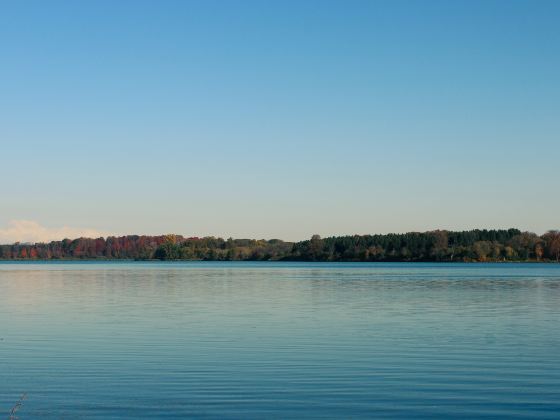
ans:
x=253 y=340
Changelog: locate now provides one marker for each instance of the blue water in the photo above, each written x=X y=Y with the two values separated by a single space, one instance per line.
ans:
x=280 y=340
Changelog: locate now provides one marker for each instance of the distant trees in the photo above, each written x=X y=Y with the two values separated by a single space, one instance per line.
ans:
x=217 y=249
x=124 y=247
x=551 y=241
x=439 y=245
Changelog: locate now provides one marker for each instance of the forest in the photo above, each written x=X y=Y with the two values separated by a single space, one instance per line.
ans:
x=479 y=245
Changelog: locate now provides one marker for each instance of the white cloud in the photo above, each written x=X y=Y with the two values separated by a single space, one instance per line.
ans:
x=31 y=231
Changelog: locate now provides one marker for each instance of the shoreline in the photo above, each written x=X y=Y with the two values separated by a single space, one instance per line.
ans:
x=287 y=261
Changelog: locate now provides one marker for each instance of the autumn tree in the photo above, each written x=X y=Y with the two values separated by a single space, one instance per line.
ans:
x=552 y=244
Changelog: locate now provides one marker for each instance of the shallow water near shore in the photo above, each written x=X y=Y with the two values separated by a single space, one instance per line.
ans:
x=108 y=340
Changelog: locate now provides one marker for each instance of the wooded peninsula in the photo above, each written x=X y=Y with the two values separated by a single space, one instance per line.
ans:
x=440 y=245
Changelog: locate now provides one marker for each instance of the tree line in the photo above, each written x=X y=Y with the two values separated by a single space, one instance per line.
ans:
x=469 y=246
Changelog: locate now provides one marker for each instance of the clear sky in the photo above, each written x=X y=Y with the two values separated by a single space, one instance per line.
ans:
x=278 y=119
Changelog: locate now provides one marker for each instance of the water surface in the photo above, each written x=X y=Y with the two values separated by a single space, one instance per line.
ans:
x=279 y=340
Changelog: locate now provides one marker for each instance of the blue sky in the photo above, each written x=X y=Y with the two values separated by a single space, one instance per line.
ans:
x=278 y=119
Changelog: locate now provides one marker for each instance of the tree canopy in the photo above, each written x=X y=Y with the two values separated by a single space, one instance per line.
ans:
x=440 y=245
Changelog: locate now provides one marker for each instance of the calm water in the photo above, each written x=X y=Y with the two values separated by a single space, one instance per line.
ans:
x=266 y=340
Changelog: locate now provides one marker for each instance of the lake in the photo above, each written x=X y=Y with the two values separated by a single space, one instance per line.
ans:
x=279 y=340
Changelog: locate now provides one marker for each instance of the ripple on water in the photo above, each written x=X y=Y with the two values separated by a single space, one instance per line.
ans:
x=254 y=340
